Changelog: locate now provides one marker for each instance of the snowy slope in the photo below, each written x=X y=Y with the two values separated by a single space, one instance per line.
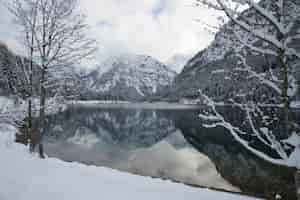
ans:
x=23 y=177
x=199 y=72
x=130 y=77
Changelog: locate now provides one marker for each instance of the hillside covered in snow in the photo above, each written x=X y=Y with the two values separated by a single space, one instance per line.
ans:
x=211 y=69
x=129 y=77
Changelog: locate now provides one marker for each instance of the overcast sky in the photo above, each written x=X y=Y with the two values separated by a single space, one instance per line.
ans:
x=160 y=28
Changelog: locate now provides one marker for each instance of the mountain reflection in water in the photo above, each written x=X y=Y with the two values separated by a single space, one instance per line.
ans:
x=161 y=143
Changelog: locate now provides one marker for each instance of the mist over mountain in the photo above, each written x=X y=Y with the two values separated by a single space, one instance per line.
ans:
x=178 y=61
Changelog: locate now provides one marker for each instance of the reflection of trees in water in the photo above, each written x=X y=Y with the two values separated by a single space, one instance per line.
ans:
x=143 y=128
x=235 y=163
x=268 y=137
x=138 y=128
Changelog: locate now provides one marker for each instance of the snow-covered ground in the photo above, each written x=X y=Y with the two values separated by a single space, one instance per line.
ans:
x=18 y=108
x=24 y=176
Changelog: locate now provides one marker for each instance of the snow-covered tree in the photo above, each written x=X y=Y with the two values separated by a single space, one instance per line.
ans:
x=269 y=29
x=55 y=35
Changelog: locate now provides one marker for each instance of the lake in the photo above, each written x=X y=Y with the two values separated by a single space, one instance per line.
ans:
x=164 y=141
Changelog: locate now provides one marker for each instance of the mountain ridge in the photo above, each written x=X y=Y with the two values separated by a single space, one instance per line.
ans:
x=129 y=77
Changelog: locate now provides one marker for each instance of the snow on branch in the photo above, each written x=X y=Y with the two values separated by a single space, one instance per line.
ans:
x=272 y=24
x=259 y=33
x=274 y=84
x=213 y=118
x=260 y=30
x=246 y=42
x=269 y=16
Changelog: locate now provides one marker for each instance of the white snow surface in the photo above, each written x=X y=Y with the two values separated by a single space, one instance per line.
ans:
x=16 y=108
x=24 y=176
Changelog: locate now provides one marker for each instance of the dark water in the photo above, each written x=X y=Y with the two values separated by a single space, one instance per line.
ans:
x=165 y=143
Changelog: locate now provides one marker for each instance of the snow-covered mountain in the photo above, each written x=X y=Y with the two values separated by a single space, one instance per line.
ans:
x=129 y=77
x=9 y=83
x=13 y=77
x=206 y=70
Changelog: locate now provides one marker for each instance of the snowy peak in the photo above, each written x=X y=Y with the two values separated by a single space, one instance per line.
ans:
x=131 y=77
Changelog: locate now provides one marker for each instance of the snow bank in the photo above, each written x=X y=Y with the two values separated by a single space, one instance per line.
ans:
x=17 y=108
x=24 y=176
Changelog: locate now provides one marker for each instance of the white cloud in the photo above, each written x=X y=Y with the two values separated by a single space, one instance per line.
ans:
x=8 y=30
x=160 y=28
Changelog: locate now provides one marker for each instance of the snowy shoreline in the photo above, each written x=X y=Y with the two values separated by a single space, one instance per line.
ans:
x=159 y=105
x=24 y=176
x=132 y=105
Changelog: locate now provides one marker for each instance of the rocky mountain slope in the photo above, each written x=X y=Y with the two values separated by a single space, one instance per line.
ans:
x=130 y=78
x=206 y=71
x=126 y=77
x=12 y=77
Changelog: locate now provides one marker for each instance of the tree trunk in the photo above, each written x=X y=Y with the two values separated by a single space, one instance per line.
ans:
x=285 y=96
x=41 y=150
x=42 y=114
x=29 y=128
x=30 y=124
x=297 y=180
x=288 y=119
x=43 y=88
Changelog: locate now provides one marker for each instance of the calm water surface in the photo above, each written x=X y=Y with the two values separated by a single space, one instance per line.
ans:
x=167 y=143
